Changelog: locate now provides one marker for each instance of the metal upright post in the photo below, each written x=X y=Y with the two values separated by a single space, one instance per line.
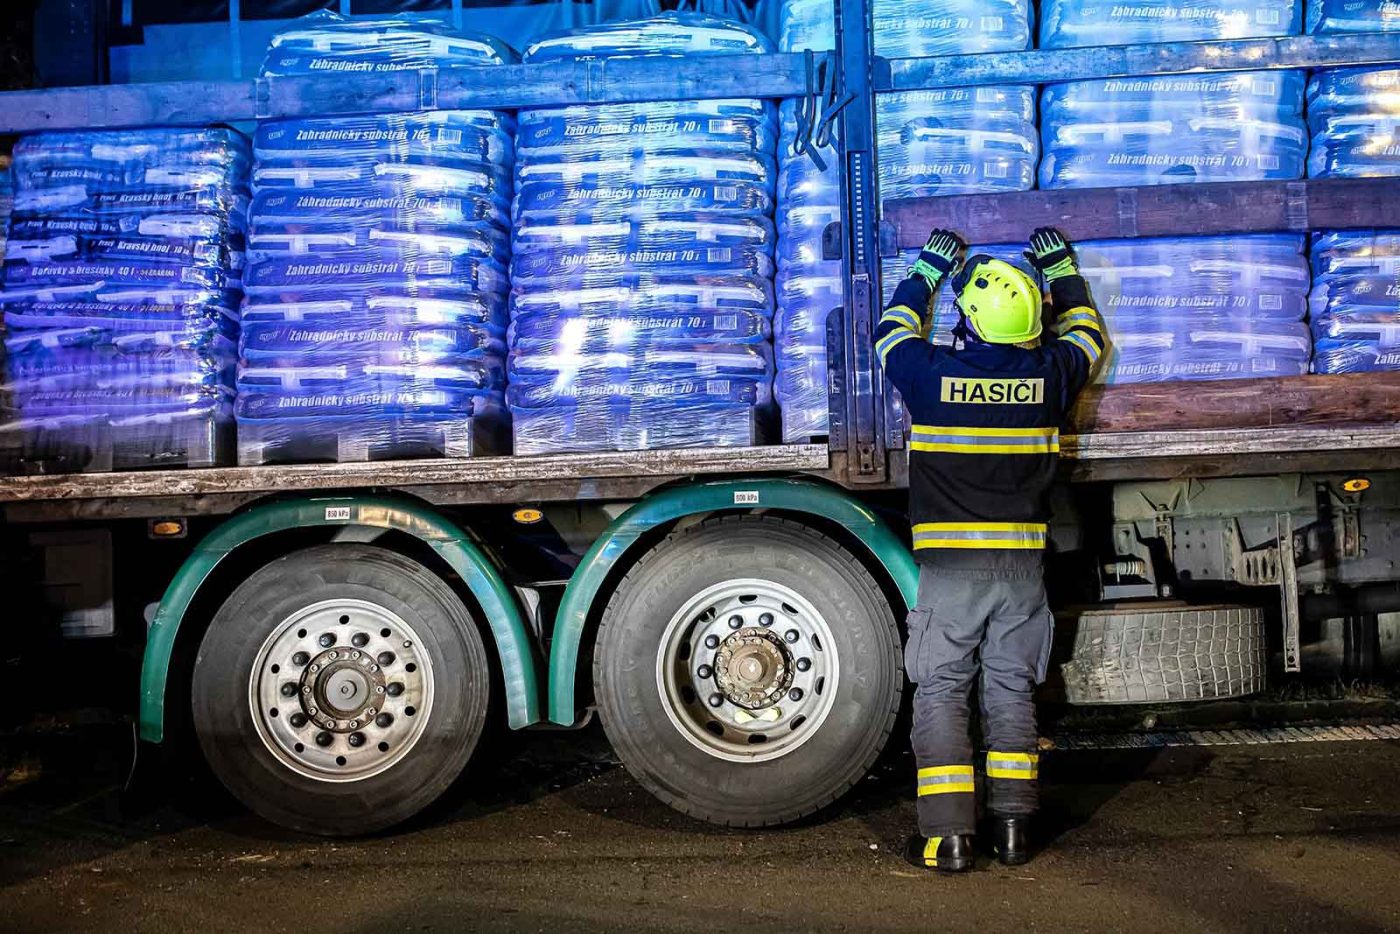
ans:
x=862 y=392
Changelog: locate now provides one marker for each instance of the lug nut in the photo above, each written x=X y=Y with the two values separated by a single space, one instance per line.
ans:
x=712 y=642
x=289 y=689
x=735 y=622
x=323 y=738
x=716 y=700
x=803 y=664
x=354 y=724
x=326 y=640
x=765 y=619
x=306 y=689
x=384 y=721
x=301 y=658
x=795 y=694
x=311 y=710
x=359 y=640
x=790 y=635
x=332 y=655
x=297 y=720
x=314 y=668
x=395 y=689
x=379 y=689
x=356 y=739
x=704 y=671
x=385 y=659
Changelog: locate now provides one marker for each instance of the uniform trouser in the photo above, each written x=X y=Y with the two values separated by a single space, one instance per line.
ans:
x=965 y=625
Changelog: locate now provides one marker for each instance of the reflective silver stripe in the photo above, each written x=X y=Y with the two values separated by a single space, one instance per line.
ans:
x=1028 y=441
x=1020 y=765
x=972 y=536
x=954 y=779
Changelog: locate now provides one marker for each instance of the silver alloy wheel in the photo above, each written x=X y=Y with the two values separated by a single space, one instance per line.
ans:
x=340 y=691
x=747 y=670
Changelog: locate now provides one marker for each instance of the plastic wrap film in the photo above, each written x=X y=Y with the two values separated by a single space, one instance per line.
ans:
x=1354 y=118
x=377 y=287
x=324 y=43
x=643 y=257
x=1171 y=129
x=7 y=201
x=1200 y=307
x=1338 y=16
x=123 y=268
x=1355 y=301
x=939 y=142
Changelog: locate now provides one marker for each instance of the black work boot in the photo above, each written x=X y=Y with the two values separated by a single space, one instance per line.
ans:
x=1011 y=839
x=945 y=854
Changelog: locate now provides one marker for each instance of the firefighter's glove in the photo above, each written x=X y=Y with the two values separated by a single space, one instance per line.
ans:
x=939 y=257
x=1051 y=255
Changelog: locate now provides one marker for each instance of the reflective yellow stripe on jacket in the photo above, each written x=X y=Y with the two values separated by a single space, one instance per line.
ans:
x=909 y=328
x=948 y=439
x=980 y=535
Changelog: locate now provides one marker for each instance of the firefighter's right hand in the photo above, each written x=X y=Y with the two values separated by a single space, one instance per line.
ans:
x=939 y=257
x=1050 y=254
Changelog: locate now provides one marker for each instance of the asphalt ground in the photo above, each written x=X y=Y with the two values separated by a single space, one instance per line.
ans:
x=555 y=836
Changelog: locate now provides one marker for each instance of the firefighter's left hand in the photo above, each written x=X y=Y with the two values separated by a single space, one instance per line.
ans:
x=939 y=257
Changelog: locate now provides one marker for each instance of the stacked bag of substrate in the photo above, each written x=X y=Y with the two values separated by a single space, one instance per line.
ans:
x=1183 y=308
x=642 y=259
x=377 y=285
x=1354 y=116
x=121 y=288
x=940 y=142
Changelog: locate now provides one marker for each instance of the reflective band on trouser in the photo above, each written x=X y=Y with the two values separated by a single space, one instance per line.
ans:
x=946 y=439
x=1020 y=765
x=904 y=317
x=979 y=535
x=1084 y=343
x=946 y=779
x=885 y=344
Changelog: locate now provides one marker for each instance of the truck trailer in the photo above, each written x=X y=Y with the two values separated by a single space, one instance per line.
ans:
x=339 y=636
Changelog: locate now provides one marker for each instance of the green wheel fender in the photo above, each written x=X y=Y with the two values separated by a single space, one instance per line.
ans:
x=792 y=496
x=449 y=541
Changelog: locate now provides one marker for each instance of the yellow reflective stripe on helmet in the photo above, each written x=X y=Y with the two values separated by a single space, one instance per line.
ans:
x=1084 y=343
x=945 y=779
x=947 y=439
x=931 y=852
x=1018 y=765
x=887 y=343
x=980 y=535
x=1078 y=318
x=902 y=315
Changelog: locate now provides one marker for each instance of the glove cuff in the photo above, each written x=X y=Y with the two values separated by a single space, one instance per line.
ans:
x=926 y=271
x=1061 y=269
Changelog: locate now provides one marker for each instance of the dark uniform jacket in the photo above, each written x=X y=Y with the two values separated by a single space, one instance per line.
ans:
x=986 y=432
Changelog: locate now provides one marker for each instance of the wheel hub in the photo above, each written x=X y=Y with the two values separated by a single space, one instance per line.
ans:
x=342 y=691
x=745 y=670
x=753 y=668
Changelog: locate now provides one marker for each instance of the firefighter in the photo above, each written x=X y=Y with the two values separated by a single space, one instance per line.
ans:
x=983 y=449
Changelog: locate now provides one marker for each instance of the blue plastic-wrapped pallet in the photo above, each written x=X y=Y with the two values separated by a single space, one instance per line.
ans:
x=376 y=311
x=1194 y=307
x=1354 y=117
x=940 y=142
x=121 y=283
x=642 y=263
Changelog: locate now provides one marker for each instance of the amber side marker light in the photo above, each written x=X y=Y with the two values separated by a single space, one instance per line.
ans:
x=1356 y=485
x=527 y=516
x=167 y=528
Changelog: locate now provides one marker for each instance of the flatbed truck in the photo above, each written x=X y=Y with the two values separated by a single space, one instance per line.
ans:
x=337 y=637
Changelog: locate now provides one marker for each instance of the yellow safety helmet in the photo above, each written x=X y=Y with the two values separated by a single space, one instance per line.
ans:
x=1001 y=301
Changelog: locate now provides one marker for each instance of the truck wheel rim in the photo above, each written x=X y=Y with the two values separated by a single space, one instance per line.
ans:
x=747 y=670
x=341 y=690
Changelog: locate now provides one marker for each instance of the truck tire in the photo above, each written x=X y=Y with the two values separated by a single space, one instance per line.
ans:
x=340 y=689
x=747 y=671
x=1149 y=655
